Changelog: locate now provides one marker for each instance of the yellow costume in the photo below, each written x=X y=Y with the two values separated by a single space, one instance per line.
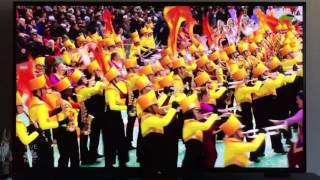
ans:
x=235 y=150
x=39 y=112
x=243 y=92
x=153 y=122
x=22 y=133
x=193 y=129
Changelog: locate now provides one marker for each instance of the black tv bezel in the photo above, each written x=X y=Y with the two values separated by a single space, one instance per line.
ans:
x=135 y=171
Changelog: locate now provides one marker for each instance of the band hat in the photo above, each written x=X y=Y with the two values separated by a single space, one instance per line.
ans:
x=178 y=63
x=231 y=126
x=109 y=41
x=156 y=67
x=243 y=46
x=67 y=43
x=252 y=46
x=76 y=75
x=40 y=61
x=224 y=56
x=93 y=66
x=62 y=84
x=37 y=83
x=130 y=63
x=193 y=49
x=202 y=78
x=81 y=38
x=147 y=100
x=146 y=70
x=230 y=49
x=190 y=102
x=112 y=73
x=166 y=60
x=274 y=63
x=259 y=69
x=285 y=50
x=214 y=56
x=239 y=75
x=202 y=61
x=142 y=82
x=117 y=39
x=166 y=81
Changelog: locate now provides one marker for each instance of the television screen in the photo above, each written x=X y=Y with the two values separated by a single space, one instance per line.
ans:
x=159 y=86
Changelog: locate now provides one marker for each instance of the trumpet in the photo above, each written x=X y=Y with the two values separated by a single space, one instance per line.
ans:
x=271 y=130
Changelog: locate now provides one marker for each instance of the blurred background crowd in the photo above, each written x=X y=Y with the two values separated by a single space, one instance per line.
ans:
x=41 y=30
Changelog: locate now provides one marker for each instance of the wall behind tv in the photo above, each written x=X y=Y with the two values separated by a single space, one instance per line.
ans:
x=312 y=73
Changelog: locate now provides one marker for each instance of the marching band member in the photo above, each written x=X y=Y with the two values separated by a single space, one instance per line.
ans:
x=152 y=125
x=172 y=132
x=266 y=97
x=147 y=41
x=83 y=94
x=119 y=47
x=135 y=48
x=182 y=79
x=96 y=107
x=235 y=152
x=218 y=70
x=114 y=136
x=207 y=106
x=66 y=133
x=243 y=96
x=24 y=136
x=133 y=93
x=39 y=113
x=192 y=133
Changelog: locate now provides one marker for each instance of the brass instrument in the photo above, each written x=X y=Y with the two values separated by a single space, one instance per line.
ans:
x=132 y=101
x=86 y=119
x=72 y=115
x=271 y=130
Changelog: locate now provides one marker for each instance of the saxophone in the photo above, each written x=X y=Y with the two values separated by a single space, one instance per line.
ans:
x=72 y=115
x=132 y=101
x=86 y=119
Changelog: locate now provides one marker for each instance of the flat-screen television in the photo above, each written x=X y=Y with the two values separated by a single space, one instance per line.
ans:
x=160 y=86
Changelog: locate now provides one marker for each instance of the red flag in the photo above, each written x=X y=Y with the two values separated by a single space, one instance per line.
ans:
x=207 y=29
x=272 y=22
x=107 y=18
x=99 y=56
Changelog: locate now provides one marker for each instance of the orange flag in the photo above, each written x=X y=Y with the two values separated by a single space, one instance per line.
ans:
x=174 y=16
